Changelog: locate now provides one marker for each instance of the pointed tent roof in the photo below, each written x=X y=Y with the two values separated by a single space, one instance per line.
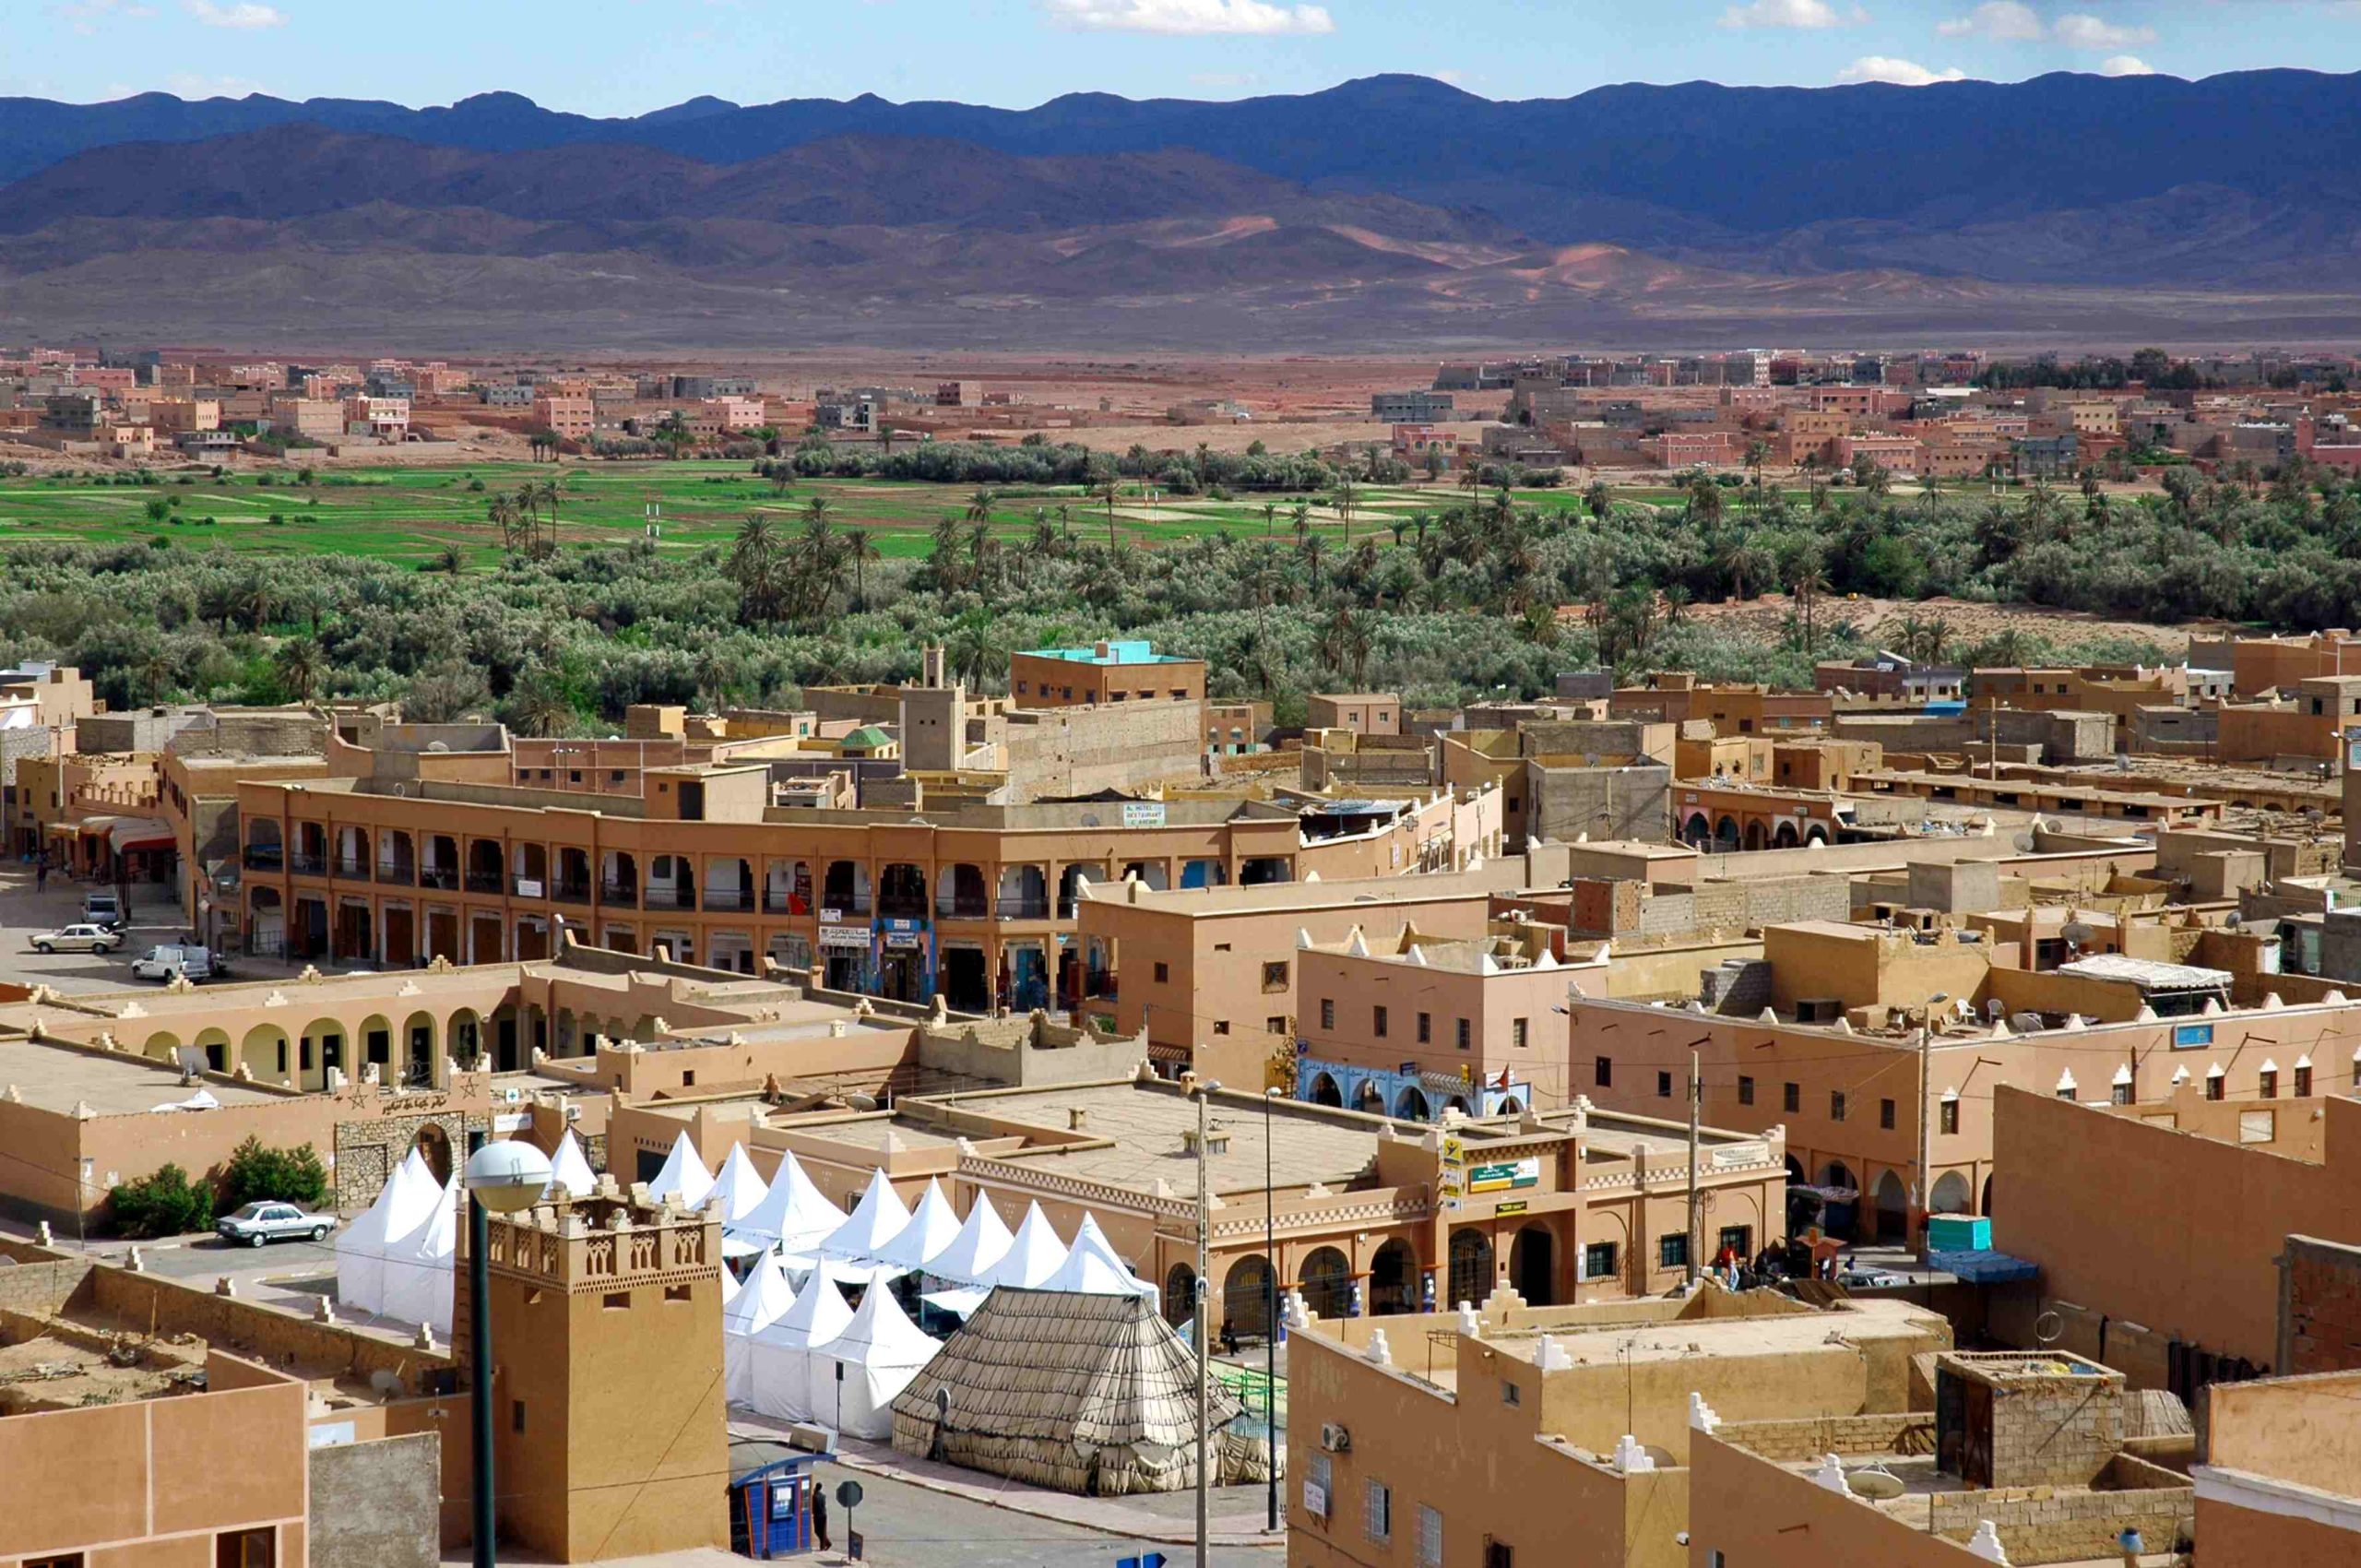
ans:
x=1062 y=1389
x=793 y=1212
x=730 y=1288
x=410 y=1206
x=871 y=1224
x=684 y=1178
x=570 y=1168
x=761 y=1301
x=982 y=1241
x=1093 y=1267
x=740 y=1189
x=933 y=1225
x=880 y=1335
x=1034 y=1254
x=818 y=1315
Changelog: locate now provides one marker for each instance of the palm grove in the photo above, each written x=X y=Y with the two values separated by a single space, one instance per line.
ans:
x=1480 y=593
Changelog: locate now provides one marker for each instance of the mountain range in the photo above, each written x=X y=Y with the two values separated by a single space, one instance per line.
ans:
x=1387 y=210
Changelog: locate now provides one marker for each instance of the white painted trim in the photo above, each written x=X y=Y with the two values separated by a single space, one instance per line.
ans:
x=2287 y=1500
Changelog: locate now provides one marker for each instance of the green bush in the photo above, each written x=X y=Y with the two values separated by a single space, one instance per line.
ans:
x=166 y=1204
x=253 y=1174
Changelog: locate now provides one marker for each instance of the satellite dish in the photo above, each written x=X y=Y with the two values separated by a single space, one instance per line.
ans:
x=386 y=1382
x=1877 y=1483
x=861 y=1101
x=2023 y=841
x=2076 y=932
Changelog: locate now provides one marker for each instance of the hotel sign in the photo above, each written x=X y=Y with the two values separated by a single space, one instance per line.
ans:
x=844 y=936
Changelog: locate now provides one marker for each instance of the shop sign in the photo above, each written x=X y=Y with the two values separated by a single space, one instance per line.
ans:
x=1505 y=1175
x=844 y=936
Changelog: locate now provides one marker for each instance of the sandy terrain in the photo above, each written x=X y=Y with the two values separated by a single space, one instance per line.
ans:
x=1970 y=623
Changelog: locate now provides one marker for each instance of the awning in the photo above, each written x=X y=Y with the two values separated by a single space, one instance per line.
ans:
x=141 y=832
x=1984 y=1268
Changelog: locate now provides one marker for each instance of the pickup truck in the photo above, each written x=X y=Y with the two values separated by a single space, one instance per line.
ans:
x=175 y=962
x=77 y=938
x=260 y=1222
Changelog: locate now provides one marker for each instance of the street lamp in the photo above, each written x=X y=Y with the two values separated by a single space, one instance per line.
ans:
x=1270 y=1316
x=501 y=1178
x=1925 y=1133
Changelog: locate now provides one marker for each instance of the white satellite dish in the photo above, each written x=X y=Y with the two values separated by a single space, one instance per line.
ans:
x=1877 y=1483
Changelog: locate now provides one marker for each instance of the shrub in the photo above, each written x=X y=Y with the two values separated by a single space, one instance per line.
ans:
x=166 y=1204
x=253 y=1174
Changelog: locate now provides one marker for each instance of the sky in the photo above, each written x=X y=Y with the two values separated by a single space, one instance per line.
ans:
x=628 y=57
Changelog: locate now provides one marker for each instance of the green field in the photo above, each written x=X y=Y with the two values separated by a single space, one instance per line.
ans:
x=413 y=514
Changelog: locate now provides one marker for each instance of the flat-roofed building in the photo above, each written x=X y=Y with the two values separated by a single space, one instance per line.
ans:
x=1106 y=672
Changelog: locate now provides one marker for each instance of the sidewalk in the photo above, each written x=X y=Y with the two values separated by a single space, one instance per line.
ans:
x=1237 y=1513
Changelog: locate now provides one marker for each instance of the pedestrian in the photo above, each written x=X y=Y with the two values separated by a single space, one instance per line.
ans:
x=820 y=1515
x=41 y=874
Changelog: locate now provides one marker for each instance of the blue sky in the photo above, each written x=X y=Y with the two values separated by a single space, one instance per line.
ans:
x=626 y=56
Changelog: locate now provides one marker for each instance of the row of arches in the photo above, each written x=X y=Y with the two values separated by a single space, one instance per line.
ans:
x=1725 y=835
x=1410 y=1102
x=1393 y=1286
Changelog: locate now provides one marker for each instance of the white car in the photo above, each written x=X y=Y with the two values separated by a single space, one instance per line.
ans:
x=173 y=963
x=78 y=938
x=260 y=1222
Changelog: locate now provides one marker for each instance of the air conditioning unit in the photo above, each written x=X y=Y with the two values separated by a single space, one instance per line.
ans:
x=574 y=1114
x=1334 y=1439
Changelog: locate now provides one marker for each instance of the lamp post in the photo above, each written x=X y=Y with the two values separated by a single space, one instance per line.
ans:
x=1204 y=1093
x=1920 y=1185
x=501 y=1178
x=1270 y=1316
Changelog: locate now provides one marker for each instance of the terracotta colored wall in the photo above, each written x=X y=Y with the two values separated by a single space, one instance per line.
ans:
x=1759 y=1515
x=2234 y=1535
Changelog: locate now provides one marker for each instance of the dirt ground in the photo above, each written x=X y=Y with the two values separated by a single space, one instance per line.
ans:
x=48 y=1373
x=1970 y=623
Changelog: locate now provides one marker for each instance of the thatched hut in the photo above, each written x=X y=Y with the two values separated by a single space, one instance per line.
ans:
x=1088 y=1394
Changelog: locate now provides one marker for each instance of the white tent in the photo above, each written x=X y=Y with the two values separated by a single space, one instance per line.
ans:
x=684 y=1178
x=934 y=1226
x=739 y=1188
x=855 y=1376
x=402 y=1205
x=730 y=1288
x=981 y=1242
x=873 y=1223
x=782 y=1352
x=1034 y=1254
x=758 y=1303
x=793 y=1213
x=419 y=1267
x=1093 y=1268
x=570 y=1168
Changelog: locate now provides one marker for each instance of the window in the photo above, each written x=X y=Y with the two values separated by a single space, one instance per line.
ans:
x=1948 y=1118
x=1276 y=1024
x=615 y=1300
x=1425 y=1028
x=1836 y=1105
x=1885 y=1114
x=1327 y=1013
x=516 y=1415
x=2215 y=1086
x=1275 y=976
x=1602 y=1072
x=1319 y=1472
x=1163 y=973
x=2266 y=1085
x=1738 y=1240
x=1511 y=1394
x=1376 y=1021
x=677 y=1293
x=246 y=1549
x=1499 y=1554
x=1672 y=1252
x=1429 y=1537
x=1713 y=1558
x=1517 y=1033
x=1745 y=1090
x=2303 y=1083
x=1598 y=1261
x=1377 y=1511
x=1221 y=1026
x=1664 y=1085
x=64 y=1560
x=688 y=1077
x=1791 y=1099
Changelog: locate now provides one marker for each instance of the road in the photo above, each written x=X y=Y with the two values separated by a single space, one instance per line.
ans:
x=25 y=912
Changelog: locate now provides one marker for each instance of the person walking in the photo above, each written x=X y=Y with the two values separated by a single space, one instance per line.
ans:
x=41 y=874
x=820 y=1515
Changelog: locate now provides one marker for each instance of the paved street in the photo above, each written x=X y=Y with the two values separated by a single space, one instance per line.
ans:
x=24 y=913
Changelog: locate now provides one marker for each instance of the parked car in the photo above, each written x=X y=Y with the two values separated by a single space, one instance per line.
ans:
x=78 y=938
x=260 y=1222
x=174 y=962
x=1860 y=1278
x=103 y=909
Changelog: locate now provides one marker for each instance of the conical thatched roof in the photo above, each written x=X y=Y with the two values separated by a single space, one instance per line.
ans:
x=1085 y=1393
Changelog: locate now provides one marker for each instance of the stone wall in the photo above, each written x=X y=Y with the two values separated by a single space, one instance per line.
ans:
x=1788 y=1443
x=2054 y=1431
x=1074 y=751
x=1605 y=803
x=378 y=1505
x=39 y=1285
x=2319 y=1307
x=2052 y=1524
x=367 y=1151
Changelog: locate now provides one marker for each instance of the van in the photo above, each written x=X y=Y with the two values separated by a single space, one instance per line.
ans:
x=103 y=909
x=171 y=963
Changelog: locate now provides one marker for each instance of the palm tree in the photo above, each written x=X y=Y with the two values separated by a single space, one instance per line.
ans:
x=452 y=560
x=861 y=549
x=1741 y=560
x=298 y=665
x=975 y=651
x=754 y=557
x=1704 y=502
x=1599 y=499
x=539 y=704
x=1270 y=516
x=1312 y=546
x=943 y=555
x=1045 y=533
x=1107 y=490
x=980 y=506
x=1344 y=498
x=1300 y=519
x=1676 y=605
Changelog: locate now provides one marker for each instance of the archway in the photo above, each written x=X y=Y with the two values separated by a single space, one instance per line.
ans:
x=376 y=1042
x=1533 y=1266
x=1795 y=1172
x=1785 y=838
x=1411 y=1105
x=1325 y=1092
x=162 y=1046
x=1988 y=1197
x=418 y=1038
x=1755 y=837
x=1392 y=1279
x=1698 y=832
x=1509 y=1106
x=1369 y=1099
x=465 y=1034
x=1836 y=1173
x=1471 y=1268
x=215 y=1043
x=1951 y=1194
x=1815 y=835
x=1893 y=1207
x=264 y=1053
x=321 y=1047
x=1459 y=1102
x=1725 y=837
x=433 y=1146
x=1326 y=1283
x=1179 y=1295
x=1246 y=1298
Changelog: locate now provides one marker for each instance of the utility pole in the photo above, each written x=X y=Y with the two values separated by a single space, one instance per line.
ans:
x=1204 y=1233
x=1696 y=1236
x=1919 y=1179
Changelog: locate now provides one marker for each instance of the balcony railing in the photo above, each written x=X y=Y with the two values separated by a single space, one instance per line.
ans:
x=443 y=877
x=572 y=890
x=619 y=893
x=846 y=905
x=903 y=908
x=485 y=881
x=353 y=868
x=263 y=857
x=778 y=901
x=727 y=899
x=397 y=876
x=963 y=908
x=1024 y=909
x=302 y=864
x=659 y=897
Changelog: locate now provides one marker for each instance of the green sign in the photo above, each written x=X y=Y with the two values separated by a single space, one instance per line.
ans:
x=1507 y=1174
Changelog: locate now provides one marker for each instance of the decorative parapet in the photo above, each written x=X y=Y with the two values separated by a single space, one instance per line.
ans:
x=602 y=1244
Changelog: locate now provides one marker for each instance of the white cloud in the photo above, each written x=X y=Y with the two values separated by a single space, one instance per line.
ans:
x=85 y=16
x=1189 y=18
x=1994 y=19
x=2125 y=66
x=2080 y=30
x=245 y=17
x=1897 y=73
x=1806 y=13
